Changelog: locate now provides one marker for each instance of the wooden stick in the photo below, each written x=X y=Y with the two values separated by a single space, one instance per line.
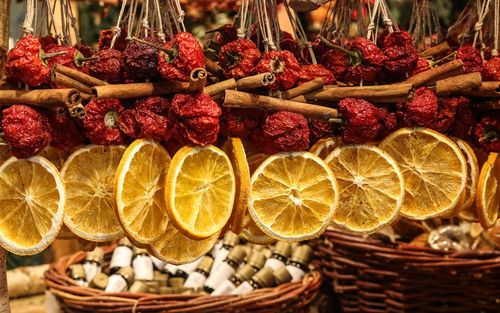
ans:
x=380 y=93
x=240 y=99
x=68 y=82
x=312 y=85
x=79 y=76
x=487 y=89
x=255 y=81
x=198 y=78
x=48 y=98
x=428 y=77
x=438 y=49
x=220 y=87
x=451 y=85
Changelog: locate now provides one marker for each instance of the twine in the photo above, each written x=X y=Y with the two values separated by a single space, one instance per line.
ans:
x=27 y=25
x=496 y=23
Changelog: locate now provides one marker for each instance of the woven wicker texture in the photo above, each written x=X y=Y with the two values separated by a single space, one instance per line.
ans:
x=371 y=275
x=290 y=297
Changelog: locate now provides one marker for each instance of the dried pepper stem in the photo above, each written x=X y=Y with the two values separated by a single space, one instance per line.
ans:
x=240 y=99
x=46 y=56
x=430 y=76
x=451 y=85
x=355 y=56
x=79 y=76
x=380 y=93
x=308 y=87
x=436 y=50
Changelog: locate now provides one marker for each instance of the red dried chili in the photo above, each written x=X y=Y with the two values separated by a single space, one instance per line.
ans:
x=107 y=36
x=401 y=56
x=100 y=124
x=24 y=62
x=473 y=62
x=65 y=134
x=238 y=58
x=185 y=54
x=464 y=118
x=237 y=122
x=487 y=132
x=422 y=110
x=337 y=62
x=27 y=130
x=362 y=119
x=194 y=118
x=283 y=64
x=491 y=69
x=141 y=60
x=108 y=66
x=422 y=66
x=318 y=130
x=312 y=71
x=287 y=131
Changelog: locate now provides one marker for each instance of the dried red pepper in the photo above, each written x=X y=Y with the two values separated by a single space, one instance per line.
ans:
x=226 y=34
x=389 y=121
x=287 y=131
x=27 y=130
x=445 y=117
x=318 y=130
x=464 y=118
x=287 y=42
x=148 y=119
x=47 y=40
x=491 y=69
x=108 y=66
x=238 y=58
x=283 y=64
x=487 y=132
x=422 y=66
x=401 y=56
x=473 y=62
x=422 y=110
x=107 y=36
x=65 y=134
x=337 y=62
x=194 y=118
x=25 y=64
x=184 y=55
x=100 y=124
x=312 y=71
x=141 y=60
x=362 y=119
x=238 y=122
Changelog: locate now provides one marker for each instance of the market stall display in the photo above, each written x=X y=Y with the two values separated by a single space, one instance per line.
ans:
x=174 y=144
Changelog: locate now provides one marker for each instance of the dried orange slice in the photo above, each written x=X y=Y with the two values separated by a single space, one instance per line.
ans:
x=32 y=199
x=140 y=190
x=468 y=211
x=434 y=170
x=200 y=190
x=89 y=175
x=371 y=188
x=56 y=156
x=254 y=234
x=236 y=153
x=5 y=152
x=293 y=196
x=325 y=146
x=488 y=191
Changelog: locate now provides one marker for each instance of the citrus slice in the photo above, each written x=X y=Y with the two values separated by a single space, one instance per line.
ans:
x=140 y=190
x=468 y=210
x=371 y=188
x=65 y=233
x=488 y=191
x=4 y=151
x=32 y=201
x=175 y=248
x=200 y=190
x=434 y=170
x=293 y=196
x=56 y=156
x=88 y=175
x=324 y=146
x=236 y=153
x=253 y=233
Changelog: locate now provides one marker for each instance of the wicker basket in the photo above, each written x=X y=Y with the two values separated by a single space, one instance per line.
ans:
x=372 y=275
x=290 y=297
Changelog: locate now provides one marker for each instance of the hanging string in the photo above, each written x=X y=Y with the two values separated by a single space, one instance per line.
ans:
x=496 y=27
x=482 y=11
x=180 y=15
x=27 y=25
x=243 y=16
x=161 y=34
x=52 y=23
x=299 y=33
x=117 y=29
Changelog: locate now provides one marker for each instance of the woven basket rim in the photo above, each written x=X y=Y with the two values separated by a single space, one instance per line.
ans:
x=72 y=295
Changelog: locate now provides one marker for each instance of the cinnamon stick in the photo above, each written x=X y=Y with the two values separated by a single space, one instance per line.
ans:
x=240 y=99
x=451 y=85
x=198 y=78
x=432 y=75
x=301 y=99
x=380 y=93
x=47 y=98
x=487 y=89
x=312 y=85
x=213 y=68
x=436 y=50
x=255 y=81
x=79 y=76
x=138 y=90
x=220 y=87
x=68 y=82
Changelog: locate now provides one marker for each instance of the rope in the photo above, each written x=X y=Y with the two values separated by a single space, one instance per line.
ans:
x=56 y=32
x=243 y=17
x=145 y=20
x=117 y=30
x=496 y=23
x=180 y=15
x=482 y=11
x=299 y=33
x=27 y=25
x=161 y=34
